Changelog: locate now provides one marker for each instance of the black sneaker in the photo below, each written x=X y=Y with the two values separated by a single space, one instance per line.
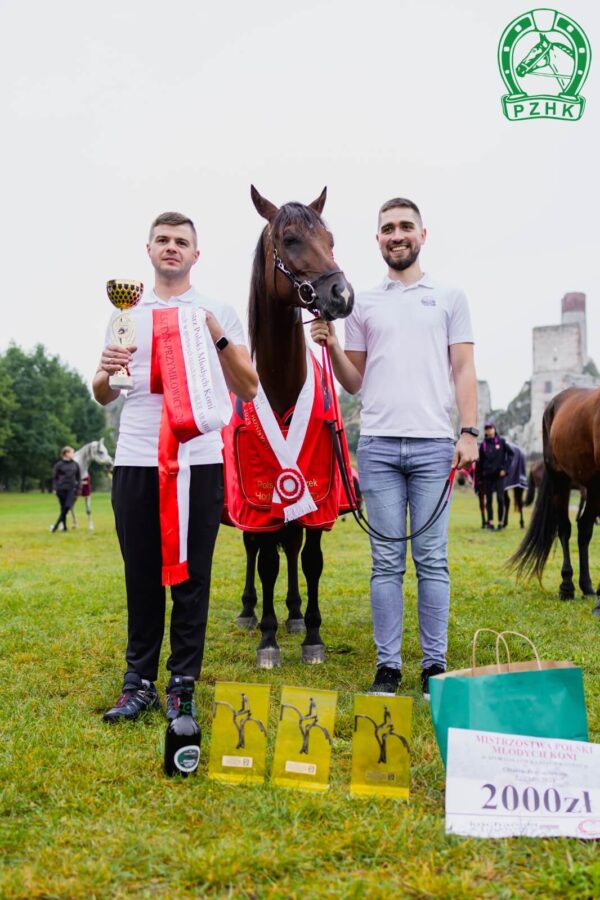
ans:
x=138 y=696
x=428 y=673
x=386 y=680
x=174 y=688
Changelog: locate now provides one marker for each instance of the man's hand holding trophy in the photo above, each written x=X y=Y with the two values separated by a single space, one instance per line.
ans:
x=124 y=294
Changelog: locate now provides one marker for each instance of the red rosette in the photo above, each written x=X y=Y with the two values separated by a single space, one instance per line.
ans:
x=289 y=485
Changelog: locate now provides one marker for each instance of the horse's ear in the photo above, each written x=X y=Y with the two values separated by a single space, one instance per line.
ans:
x=263 y=206
x=319 y=203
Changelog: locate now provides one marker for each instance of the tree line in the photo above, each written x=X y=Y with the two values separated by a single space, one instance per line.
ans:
x=44 y=406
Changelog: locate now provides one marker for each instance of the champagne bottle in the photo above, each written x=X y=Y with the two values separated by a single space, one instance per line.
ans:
x=182 y=742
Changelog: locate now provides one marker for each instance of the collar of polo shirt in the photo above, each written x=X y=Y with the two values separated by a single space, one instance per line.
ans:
x=187 y=297
x=424 y=281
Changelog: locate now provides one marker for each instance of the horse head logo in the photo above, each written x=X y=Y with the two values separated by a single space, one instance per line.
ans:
x=543 y=43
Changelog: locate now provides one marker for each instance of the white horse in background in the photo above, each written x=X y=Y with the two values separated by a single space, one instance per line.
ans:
x=96 y=452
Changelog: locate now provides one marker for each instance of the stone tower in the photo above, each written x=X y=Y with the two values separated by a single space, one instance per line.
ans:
x=560 y=361
x=573 y=313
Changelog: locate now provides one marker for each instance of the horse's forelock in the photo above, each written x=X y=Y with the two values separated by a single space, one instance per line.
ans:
x=295 y=214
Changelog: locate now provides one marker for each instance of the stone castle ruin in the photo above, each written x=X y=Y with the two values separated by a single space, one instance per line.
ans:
x=560 y=360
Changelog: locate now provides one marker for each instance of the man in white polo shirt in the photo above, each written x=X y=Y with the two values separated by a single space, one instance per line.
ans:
x=172 y=248
x=407 y=340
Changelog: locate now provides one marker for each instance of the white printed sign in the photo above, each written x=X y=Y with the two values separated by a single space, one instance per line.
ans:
x=499 y=785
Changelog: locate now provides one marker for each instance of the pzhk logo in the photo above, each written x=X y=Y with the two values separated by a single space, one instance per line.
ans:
x=547 y=44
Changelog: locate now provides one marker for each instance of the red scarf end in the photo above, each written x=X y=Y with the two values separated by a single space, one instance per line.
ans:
x=175 y=574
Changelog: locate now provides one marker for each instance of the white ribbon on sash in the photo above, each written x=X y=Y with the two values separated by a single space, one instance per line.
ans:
x=290 y=490
x=209 y=396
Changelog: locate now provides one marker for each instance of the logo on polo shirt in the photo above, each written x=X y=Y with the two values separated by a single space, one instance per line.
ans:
x=428 y=301
x=543 y=43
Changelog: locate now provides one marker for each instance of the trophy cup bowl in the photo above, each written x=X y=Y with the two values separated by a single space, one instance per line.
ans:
x=124 y=294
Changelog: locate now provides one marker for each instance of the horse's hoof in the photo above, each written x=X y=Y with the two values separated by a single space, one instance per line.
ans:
x=295 y=626
x=313 y=654
x=566 y=595
x=268 y=658
x=247 y=623
x=596 y=611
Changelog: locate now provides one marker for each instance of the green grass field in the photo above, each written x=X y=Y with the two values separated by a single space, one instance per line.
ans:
x=87 y=812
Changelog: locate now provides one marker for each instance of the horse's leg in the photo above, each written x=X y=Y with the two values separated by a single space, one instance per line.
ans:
x=292 y=542
x=518 y=495
x=247 y=618
x=88 y=509
x=481 y=495
x=585 y=528
x=74 y=517
x=562 y=493
x=313 y=649
x=268 y=654
x=504 y=521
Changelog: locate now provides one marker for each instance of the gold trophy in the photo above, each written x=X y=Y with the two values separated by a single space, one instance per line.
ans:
x=124 y=294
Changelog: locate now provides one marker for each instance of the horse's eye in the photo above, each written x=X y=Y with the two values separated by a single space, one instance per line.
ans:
x=290 y=241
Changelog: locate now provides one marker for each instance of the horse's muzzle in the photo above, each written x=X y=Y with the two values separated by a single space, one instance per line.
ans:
x=336 y=298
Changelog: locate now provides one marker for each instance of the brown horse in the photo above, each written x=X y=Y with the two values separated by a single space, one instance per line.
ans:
x=293 y=269
x=571 y=432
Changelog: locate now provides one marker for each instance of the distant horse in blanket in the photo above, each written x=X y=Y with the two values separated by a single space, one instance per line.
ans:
x=571 y=440
x=534 y=480
x=515 y=480
x=280 y=472
x=94 y=452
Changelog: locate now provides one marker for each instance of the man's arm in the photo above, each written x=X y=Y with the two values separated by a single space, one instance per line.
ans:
x=348 y=365
x=465 y=388
x=113 y=358
x=240 y=375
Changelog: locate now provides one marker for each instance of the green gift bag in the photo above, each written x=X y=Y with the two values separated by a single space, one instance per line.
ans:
x=538 y=698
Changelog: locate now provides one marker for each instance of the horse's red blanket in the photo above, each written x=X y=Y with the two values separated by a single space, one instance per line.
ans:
x=252 y=469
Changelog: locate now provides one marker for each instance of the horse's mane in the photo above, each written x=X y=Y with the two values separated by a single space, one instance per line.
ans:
x=257 y=290
x=288 y=214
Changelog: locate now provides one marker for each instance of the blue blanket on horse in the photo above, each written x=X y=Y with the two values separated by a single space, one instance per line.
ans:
x=517 y=470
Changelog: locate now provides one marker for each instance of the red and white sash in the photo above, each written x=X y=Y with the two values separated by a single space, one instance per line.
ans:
x=290 y=492
x=186 y=371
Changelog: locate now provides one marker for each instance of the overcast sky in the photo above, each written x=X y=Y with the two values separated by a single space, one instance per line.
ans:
x=116 y=111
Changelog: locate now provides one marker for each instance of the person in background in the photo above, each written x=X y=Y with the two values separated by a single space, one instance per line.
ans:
x=494 y=459
x=66 y=481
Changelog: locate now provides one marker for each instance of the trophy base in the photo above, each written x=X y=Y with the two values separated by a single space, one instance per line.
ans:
x=121 y=381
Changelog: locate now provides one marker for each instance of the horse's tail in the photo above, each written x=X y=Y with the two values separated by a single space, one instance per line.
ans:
x=530 y=495
x=533 y=552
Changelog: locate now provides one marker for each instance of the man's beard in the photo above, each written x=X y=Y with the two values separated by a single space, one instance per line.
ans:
x=400 y=264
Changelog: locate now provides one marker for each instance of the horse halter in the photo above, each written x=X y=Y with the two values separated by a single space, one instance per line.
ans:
x=306 y=289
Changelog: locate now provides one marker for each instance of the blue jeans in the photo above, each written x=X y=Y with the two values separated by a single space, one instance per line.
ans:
x=396 y=473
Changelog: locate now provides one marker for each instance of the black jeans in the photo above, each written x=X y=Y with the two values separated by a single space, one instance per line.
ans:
x=135 y=504
x=66 y=498
x=494 y=484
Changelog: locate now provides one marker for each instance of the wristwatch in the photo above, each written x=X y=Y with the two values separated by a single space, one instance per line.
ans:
x=473 y=431
x=221 y=343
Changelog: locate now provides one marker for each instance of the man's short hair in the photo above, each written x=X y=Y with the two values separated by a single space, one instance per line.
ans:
x=399 y=202
x=172 y=218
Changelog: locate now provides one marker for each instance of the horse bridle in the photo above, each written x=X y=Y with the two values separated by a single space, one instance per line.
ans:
x=306 y=289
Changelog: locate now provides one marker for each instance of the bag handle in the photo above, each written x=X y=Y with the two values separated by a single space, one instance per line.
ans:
x=500 y=637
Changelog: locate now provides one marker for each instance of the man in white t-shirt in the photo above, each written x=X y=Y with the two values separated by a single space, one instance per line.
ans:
x=408 y=344
x=172 y=248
